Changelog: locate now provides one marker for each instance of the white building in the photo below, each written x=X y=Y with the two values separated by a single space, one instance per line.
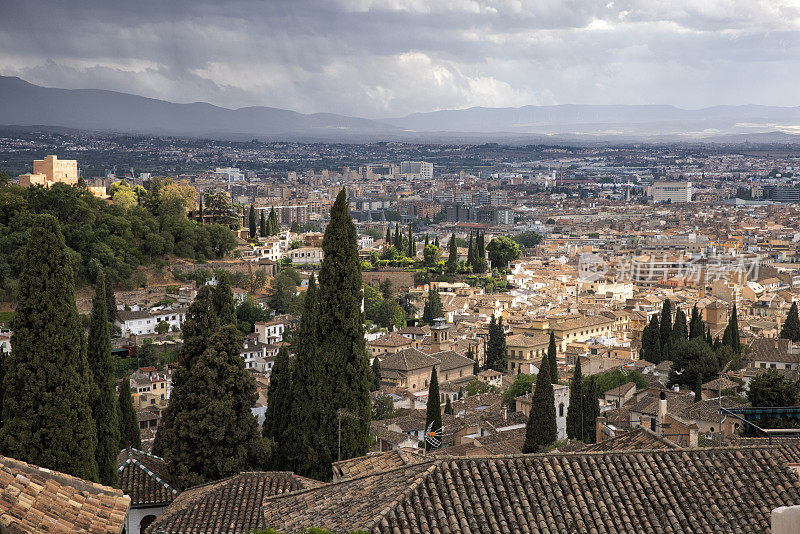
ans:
x=270 y=333
x=421 y=168
x=306 y=256
x=229 y=174
x=672 y=191
x=144 y=322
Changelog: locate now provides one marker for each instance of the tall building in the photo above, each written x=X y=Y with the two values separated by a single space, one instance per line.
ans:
x=422 y=168
x=672 y=191
x=51 y=170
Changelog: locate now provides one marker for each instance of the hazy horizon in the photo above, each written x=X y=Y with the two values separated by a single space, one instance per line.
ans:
x=380 y=59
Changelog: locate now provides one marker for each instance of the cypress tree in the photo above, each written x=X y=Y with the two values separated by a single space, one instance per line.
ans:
x=251 y=220
x=129 y=435
x=492 y=346
x=389 y=235
x=480 y=264
x=272 y=223
x=500 y=360
x=717 y=344
x=433 y=410
x=452 y=257
x=398 y=239
x=679 y=329
x=709 y=339
x=696 y=327
x=341 y=333
x=475 y=367
x=575 y=412
x=214 y=434
x=551 y=359
x=650 y=335
x=3 y=364
x=698 y=388
x=222 y=299
x=47 y=386
x=433 y=307
x=657 y=354
x=308 y=452
x=666 y=323
x=436 y=242
x=105 y=407
x=277 y=416
x=426 y=239
x=592 y=407
x=541 y=429
x=470 y=252
x=448 y=407
x=733 y=325
x=412 y=247
x=262 y=225
x=111 y=303
x=376 y=374
x=791 y=327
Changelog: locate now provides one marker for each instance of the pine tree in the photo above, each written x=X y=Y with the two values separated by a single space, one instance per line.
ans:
x=129 y=435
x=791 y=327
x=541 y=429
x=433 y=410
x=452 y=257
x=308 y=452
x=222 y=298
x=592 y=407
x=575 y=412
x=679 y=329
x=412 y=247
x=251 y=220
x=448 y=407
x=551 y=359
x=262 y=225
x=666 y=323
x=376 y=374
x=277 y=417
x=47 y=385
x=341 y=332
x=105 y=407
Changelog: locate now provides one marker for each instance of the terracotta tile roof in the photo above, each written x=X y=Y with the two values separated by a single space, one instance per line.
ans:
x=724 y=490
x=407 y=360
x=374 y=463
x=522 y=340
x=35 y=499
x=392 y=339
x=773 y=350
x=145 y=478
x=451 y=360
x=639 y=439
x=229 y=505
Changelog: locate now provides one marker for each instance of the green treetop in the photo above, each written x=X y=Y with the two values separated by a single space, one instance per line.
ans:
x=575 y=424
x=433 y=410
x=129 y=434
x=541 y=429
x=551 y=359
x=279 y=402
x=222 y=299
x=791 y=327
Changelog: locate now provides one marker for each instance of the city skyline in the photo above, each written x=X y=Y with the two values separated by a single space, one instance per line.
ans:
x=385 y=59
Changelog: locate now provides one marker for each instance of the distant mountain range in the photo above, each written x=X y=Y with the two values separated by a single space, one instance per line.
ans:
x=25 y=104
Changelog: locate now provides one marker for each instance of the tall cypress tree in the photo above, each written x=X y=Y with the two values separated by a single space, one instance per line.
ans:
x=47 y=411
x=376 y=374
x=575 y=412
x=273 y=227
x=105 y=407
x=679 y=329
x=433 y=307
x=697 y=328
x=251 y=222
x=541 y=429
x=436 y=242
x=452 y=257
x=475 y=367
x=129 y=435
x=709 y=339
x=427 y=242
x=433 y=410
x=502 y=354
x=650 y=335
x=341 y=332
x=493 y=345
x=448 y=407
x=277 y=416
x=592 y=407
x=398 y=239
x=480 y=264
x=412 y=247
x=733 y=326
x=666 y=323
x=389 y=234
x=308 y=452
x=111 y=303
x=262 y=225
x=551 y=359
x=222 y=299
x=698 y=388
x=470 y=252
x=214 y=433
x=791 y=327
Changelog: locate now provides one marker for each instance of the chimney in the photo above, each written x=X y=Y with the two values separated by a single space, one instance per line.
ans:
x=505 y=413
x=662 y=411
x=693 y=441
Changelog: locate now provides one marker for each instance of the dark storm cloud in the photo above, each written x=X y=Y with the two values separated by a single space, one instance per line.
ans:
x=391 y=57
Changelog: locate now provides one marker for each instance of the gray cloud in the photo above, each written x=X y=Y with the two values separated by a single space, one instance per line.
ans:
x=381 y=58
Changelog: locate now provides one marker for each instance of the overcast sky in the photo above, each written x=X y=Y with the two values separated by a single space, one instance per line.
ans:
x=382 y=58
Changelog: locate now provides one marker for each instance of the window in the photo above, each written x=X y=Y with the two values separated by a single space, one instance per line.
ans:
x=561 y=410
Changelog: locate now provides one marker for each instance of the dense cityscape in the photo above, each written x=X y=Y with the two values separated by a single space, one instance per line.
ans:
x=394 y=266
